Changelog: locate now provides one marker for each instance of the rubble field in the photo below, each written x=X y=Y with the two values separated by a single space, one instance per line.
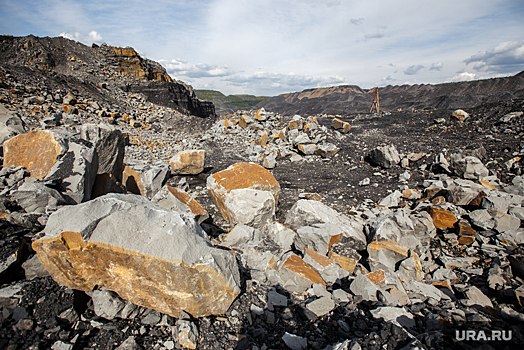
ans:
x=128 y=223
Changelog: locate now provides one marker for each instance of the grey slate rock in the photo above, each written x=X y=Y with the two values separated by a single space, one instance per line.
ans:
x=37 y=198
x=384 y=156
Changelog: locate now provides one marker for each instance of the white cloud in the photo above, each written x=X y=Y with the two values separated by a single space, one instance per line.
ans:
x=414 y=69
x=179 y=67
x=92 y=37
x=437 y=66
x=357 y=21
x=506 y=57
x=464 y=76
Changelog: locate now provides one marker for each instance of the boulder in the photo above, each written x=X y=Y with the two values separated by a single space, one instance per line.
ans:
x=327 y=149
x=384 y=156
x=10 y=124
x=177 y=200
x=189 y=162
x=240 y=176
x=75 y=171
x=328 y=270
x=109 y=145
x=144 y=178
x=297 y=276
x=308 y=212
x=364 y=287
x=459 y=115
x=36 y=198
x=319 y=237
x=149 y=255
x=442 y=218
x=385 y=254
x=250 y=207
x=470 y=168
x=37 y=151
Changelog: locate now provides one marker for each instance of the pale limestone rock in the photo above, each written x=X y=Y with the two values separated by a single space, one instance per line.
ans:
x=250 y=207
x=171 y=198
x=190 y=162
x=144 y=178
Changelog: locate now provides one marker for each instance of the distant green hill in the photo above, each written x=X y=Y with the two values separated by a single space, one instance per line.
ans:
x=231 y=103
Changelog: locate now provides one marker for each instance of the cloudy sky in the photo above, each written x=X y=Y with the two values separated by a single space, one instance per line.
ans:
x=268 y=47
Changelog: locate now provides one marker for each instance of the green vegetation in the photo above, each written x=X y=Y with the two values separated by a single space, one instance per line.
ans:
x=230 y=102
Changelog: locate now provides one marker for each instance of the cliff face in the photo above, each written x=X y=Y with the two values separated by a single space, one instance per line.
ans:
x=345 y=100
x=80 y=67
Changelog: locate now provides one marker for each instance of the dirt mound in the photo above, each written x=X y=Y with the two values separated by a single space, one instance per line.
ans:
x=346 y=100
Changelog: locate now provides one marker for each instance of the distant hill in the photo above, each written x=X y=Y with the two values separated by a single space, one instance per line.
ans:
x=231 y=103
x=349 y=99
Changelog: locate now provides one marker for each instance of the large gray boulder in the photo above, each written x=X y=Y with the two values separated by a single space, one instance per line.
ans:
x=308 y=212
x=250 y=207
x=145 y=178
x=470 y=168
x=148 y=255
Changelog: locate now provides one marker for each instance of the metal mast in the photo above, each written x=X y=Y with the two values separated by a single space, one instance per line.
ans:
x=376 y=104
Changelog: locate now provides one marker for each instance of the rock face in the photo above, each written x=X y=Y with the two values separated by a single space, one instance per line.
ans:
x=145 y=178
x=384 y=156
x=237 y=177
x=163 y=261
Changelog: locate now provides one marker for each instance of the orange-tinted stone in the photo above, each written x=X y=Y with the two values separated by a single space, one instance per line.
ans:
x=442 y=218
x=337 y=123
x=37 y=151
x=188 y=162
x=344 y=262
x=390 y=245
x=263 y=139
x=346 y=127
x=313 y=196
x=321 y=259
x=168 y=286
x=238 y=176
x=439 y=200
x=466 y=229
x=242 y=122
x=194 y=206
x=293 y=125
x=466 y=240
x=377 y=277
x=299 y=266
x=477 y=201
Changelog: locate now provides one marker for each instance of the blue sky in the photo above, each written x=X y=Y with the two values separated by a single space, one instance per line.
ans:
x=269 y=47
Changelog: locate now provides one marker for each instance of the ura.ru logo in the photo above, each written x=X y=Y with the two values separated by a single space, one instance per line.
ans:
x=481 y=335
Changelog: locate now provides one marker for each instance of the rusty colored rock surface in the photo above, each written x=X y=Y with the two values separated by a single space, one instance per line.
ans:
x=240 y=176
x=149 y=255
x=37 y=151
x=300 y=267
x=189 y=162
x=337 y=123
x=321 y=259
x=389 y=245
x=136 y=277
x=442 y=218
x=344 y=262
x=377 y=277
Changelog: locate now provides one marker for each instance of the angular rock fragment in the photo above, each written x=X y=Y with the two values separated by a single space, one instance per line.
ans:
x=442 y=218
x=326 y=149
x=37 y=198
x=384 y=156
x=297 y=275
x=250 y=207
x=459 y=115
x=171 y=198
x=321 y=306
x=109 y=144
x=240 y=176
x=308 y=212
x=109 y=305
x=476 y=296
x=388 y=313
x=187 y=334
x=190 y=162
x=451 y=262
x=319 y=237
x=391 y=200
x=337 y=123
x=410 y=269
x=384 y=255
x=422 y=291
x=470 y=168
x=149 y=255
x=37 y=151
x=144 y=178
x=328 y=270
x=10 y=125
x=129 y=344
x=294 y=342
x=307 y=149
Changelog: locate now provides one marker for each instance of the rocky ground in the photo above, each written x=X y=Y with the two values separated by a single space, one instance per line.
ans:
x=404 y=177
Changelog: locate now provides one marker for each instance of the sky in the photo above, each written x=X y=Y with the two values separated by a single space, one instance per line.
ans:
x=270 y=47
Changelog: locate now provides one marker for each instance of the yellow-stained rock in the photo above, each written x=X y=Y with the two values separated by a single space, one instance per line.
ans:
x=438 y=200
x=346 y=127
x=188 y=162
x=313 y=196
x=377 y=277
x=240 y=176
x=37 y=151
x=293 y=125
x=168 y=286
x=337 y=123
x=300 y=267
x=263 y=139
x=410 y=193
x=193 y=205
x=442 y=218
x=320 y=259
x=344 y=262
x=389 y=245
